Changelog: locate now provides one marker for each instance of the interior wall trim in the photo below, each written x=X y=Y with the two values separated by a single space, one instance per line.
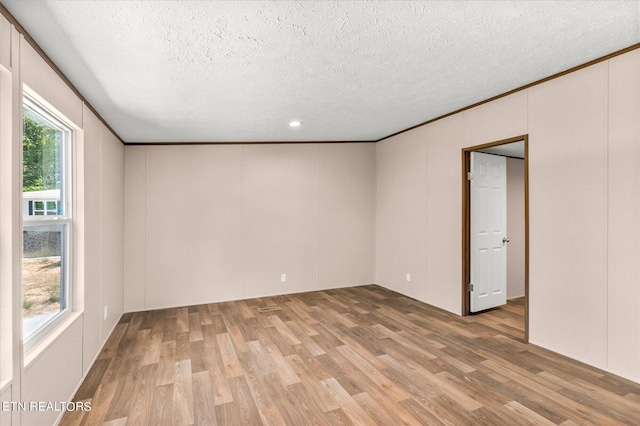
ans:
x=240 y=143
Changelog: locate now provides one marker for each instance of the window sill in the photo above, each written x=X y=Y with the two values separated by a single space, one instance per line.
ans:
x=34 y=352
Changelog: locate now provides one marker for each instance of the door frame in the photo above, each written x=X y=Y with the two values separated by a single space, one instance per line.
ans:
x=466 y=224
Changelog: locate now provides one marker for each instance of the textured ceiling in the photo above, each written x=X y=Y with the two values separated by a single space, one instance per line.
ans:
x=348 y=70
x=513 y=149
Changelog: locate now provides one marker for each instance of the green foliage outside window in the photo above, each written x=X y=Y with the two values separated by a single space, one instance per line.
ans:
x=41 y=150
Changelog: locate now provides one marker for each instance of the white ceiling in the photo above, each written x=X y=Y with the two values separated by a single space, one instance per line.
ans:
x=513 y=149
x=348 y=70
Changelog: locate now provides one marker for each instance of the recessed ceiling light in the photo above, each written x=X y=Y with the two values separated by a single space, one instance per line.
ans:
x=294 y=124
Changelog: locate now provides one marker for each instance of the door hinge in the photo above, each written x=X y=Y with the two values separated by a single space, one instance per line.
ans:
x=469 y=175
x=469 y=287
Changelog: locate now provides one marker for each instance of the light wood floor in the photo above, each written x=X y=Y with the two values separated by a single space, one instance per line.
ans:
x=362 y=355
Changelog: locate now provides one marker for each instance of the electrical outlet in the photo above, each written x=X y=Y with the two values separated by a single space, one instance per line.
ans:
x=283 y=278
x=106 y=310
x=408 y=277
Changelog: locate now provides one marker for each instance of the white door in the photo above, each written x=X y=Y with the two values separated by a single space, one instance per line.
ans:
x=488 y=231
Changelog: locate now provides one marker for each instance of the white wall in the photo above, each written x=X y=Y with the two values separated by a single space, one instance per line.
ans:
x=92 y=222
x=222 y=222
x=9 y=176
x=111 y=232
x=515 y=228
x=568 y=130
x=54 y=375
x=5 y=396
x=623 y=202
x=10 y=199
x=280 y=215
x=346 y=240
x=584 y=210
x=54 y=368
x=5 y=42
x=442 y=197
x=104 y=234
x=400 y=213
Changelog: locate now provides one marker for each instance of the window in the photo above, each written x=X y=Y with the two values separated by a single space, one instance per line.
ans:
x=46 y=233
x=43 y=208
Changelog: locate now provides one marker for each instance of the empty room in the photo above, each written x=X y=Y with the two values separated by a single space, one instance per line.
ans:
x=319 y=212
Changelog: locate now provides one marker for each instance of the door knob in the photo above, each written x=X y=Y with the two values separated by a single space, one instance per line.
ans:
x=505 y=240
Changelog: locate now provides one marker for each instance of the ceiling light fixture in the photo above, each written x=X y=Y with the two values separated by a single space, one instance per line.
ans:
x=295 y=124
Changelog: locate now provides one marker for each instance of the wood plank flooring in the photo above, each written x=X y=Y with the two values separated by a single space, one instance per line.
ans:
x=363 y=356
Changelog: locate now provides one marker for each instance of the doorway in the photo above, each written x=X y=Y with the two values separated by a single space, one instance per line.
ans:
x=511 y=148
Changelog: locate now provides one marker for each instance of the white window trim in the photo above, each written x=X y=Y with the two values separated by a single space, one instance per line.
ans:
x=40 y=106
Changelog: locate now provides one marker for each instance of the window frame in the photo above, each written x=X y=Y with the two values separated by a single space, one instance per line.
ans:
x=45 y=210
x=32 y=102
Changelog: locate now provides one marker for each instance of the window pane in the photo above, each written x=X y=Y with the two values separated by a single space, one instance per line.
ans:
x=45 y=270
x=42 y=160
x=43 y=275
